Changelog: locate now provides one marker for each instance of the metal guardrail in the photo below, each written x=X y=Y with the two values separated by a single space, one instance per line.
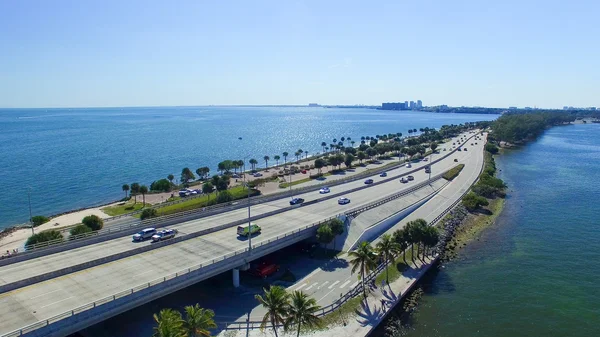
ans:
x=154 y=282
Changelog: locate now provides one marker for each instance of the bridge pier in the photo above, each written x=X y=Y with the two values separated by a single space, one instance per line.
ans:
x=236 y=277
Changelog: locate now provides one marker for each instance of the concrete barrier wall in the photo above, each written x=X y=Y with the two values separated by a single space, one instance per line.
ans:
x=377 y=229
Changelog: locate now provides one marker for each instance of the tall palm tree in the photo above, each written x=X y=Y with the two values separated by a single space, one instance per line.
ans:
x=144 y=190
x=135 y=189
x=171 y=177
x=349 y=140
x=302 y=312
x=387 y=249
x=277 y=159
x=285 y=154
x=198 y=321
x=363 y=260
x=253 y=162
x=169 y=324
x=276 y=301
x=401 y=238
x=125 y=188
x=323 y=144
x=342 y=139
x=266 y=158
x=297 y=154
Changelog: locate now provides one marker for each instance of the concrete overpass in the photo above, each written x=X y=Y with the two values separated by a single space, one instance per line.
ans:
x=70 y=302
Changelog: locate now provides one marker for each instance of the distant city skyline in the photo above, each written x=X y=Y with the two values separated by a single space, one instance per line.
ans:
x=522 y=53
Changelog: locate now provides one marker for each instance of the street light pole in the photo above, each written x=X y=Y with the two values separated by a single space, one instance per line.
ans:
x=30 y=214
x=249 y=223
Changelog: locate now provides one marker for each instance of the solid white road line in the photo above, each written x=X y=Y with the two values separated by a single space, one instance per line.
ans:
x=312 y=285
x=146 y=272
x=333 y=284
x=354 y=284
x=64 y=299
x=344 y=284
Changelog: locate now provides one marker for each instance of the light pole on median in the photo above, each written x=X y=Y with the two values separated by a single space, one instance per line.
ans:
x=249 y=223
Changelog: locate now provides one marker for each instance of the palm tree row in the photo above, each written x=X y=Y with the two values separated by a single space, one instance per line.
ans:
x=295 y=310
x=364 y=259
x=197 y=322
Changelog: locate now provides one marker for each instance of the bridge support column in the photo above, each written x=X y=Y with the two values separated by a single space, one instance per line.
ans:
x=236 y=277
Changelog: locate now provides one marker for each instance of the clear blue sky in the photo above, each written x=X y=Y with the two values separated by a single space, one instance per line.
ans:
x=78 y=53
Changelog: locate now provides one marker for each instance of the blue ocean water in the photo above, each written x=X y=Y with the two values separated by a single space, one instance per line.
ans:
x=73 y=158
x=536 y=272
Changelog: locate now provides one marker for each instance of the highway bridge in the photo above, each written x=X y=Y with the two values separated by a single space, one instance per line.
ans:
x=64 y=292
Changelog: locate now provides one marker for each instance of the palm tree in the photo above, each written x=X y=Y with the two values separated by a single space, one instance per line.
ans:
x=253 y=162
x=285 y=154
x=171 y=177
x=266 y=158
x=276 y=301
x=342 y=139
x=135 y=189
x=144 y=190
x=169 y=324
x=349 y=140
x=302 y=311
x=401 y=238
x=352 y=143
x=277 y=159
x=323 y=144
x=387 y=249
x=198 y=321
x=363 y=260
x=297 y=154
x=125 y=188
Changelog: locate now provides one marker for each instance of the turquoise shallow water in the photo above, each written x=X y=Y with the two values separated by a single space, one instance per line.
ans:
x=74 y=158
x=535 y=273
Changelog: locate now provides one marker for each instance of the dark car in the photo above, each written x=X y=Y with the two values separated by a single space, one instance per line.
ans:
x=296 y=201
x=369 y=181
x=455 y=160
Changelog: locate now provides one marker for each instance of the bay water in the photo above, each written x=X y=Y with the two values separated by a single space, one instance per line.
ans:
x=73 y=158
x=536 y=272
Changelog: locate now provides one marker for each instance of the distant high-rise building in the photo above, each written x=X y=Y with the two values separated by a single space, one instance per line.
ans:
x=393 y=106
x=412 y=106
x=406 y=104
x=419 y=104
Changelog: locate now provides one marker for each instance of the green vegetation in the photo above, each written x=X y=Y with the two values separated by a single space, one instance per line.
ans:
x=387 y=249
x=491 y=148
x=453 y=172
x=238 y=192
x=363 y=260
x=394 y=270
x=293 y=311
x=197 y=322
x=80 y=229
x=187 y=175
x=93 y=221
x=124 y=208
x=161 y=185
x=38 y=220
x=125 y=189
x=148 y=213
x=340 y=315
x=144 y=191
x=45 y=236
x=473 y=201
x=135 y=189
x=517 y=128
x=327 y=231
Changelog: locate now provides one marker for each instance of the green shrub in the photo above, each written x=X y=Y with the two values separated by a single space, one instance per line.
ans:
x=485 y=190
x=453 y=172
x=487 y=179
x=94 y=222
x=491 y=148
x=148 y=213
x=44 y=236
x=473 y=201
x=39 y=220
x=162 y=185
x=224 y=196
x=80 y=229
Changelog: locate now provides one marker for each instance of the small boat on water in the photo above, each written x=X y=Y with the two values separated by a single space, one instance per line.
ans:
x=239 y=138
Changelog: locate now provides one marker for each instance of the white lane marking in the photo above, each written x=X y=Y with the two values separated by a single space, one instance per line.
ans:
x=323 y=284
x=50 y=292
x=312 y=285
x=146 y=272
x=64 y=299
x=344 y=284
x=354 y=284
x=333 y=284
x=302 y=286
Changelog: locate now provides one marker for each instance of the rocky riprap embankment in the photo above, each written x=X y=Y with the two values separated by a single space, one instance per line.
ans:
x=449 y=226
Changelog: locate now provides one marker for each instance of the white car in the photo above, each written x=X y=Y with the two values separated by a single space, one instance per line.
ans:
x=324 y=190
x=343 y=201
x=408 y=165
x=257 y=174
x=144 y=234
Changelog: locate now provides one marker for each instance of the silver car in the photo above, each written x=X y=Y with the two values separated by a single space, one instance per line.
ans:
x=144 y=234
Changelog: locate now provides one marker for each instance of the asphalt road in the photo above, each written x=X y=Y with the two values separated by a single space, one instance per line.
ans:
x=49 y=298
